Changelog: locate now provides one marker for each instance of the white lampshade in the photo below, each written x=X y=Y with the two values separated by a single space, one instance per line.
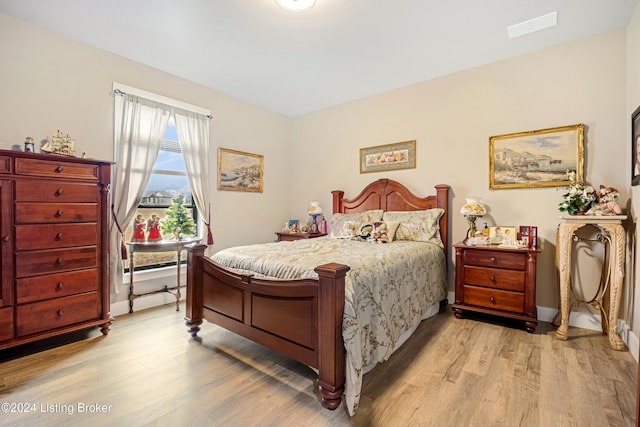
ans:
x=314 y=208
x=296 y=5
x=473 y=207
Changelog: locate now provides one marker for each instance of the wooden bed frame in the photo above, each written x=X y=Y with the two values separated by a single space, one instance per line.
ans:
x=301 y=319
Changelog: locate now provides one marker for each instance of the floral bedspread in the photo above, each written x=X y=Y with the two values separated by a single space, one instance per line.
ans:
x=390 y=288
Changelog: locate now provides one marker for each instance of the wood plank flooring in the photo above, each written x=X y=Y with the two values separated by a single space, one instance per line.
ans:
x=149 y=372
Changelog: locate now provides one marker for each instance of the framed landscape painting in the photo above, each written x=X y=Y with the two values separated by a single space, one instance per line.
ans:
x=239 y=171
x=539 y=158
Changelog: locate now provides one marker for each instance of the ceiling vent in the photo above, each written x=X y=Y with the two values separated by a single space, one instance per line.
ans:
x=533 y=25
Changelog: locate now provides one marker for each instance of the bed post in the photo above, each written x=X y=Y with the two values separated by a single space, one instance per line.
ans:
x=442 y=200
x=331 y=283
x=193 y=318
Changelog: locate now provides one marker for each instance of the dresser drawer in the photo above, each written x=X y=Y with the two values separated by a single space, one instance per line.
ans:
x=494 y=298
x=56 y=313
x=55 y=260
x=51 y=236
x=55 y=191
x=6 y=323
x=38 y=288
x=513 y=280
x=56 y=168
x=29 y=213
x=5 y=164
x=488 y=258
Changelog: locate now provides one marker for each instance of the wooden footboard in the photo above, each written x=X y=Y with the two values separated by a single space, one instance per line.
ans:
x=281 y=315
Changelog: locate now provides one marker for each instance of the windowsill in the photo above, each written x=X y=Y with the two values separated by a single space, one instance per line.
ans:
x=152 y=274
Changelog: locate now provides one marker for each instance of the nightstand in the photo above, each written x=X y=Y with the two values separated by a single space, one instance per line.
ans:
x=287 y=237
x=496 y=281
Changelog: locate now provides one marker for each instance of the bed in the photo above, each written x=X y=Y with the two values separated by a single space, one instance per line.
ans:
x=313 y=315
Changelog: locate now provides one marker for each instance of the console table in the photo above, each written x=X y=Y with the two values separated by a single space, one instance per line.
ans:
x=161 y=246
x=612 y=235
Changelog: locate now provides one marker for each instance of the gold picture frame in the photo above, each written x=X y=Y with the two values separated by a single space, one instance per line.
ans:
x=240 y=171
x=401 y=155
x=539 y=158
x=500 y=233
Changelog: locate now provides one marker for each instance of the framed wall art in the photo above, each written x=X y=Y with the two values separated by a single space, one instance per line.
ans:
x=635 y=147
x=239 y=171
x=401 y=155
x=539 y=158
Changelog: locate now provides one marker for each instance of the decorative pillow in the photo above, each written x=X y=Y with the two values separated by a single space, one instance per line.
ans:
x=384 y=231
x=342 y=226
x=418 y=226
x=365 y=232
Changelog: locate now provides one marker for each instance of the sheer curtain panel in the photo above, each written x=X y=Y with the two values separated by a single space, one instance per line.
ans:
x=193 y=134
x=140 y=124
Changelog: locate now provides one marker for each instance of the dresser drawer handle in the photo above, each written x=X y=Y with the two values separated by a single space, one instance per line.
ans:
x=6 y=238
x=60 y=261
x=492 y=278
x=492 y=259
x=60 y=313
x=59 y=169
x=59 y=236
x=492 y=299
x=60 y=285
x=59 y=213
x=59 y=192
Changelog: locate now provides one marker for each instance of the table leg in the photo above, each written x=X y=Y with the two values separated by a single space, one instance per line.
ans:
x=178 y=282
x=616 y=269
x=131 y=295
x=565 y=233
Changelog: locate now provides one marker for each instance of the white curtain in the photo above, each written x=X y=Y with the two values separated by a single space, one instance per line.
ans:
x=193 y=134
x=140 y=125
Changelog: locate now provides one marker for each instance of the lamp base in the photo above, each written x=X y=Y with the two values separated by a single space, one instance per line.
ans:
x=472 y=226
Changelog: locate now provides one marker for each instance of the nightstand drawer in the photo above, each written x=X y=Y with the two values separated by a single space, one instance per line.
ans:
x=494 y=298
x=512 y=280
x=487 y=258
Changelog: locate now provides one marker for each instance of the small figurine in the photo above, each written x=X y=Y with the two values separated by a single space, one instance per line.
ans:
x=153 y=226
x=138 y=229
x=29 y=147
x=607 y=203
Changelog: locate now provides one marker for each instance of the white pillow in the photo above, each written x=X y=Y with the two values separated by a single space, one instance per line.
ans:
x=418 y=226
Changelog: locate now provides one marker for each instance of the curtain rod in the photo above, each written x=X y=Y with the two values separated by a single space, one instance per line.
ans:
x=121 y=93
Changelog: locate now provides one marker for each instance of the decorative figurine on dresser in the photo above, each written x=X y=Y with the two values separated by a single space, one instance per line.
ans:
x=497 y=280
x=54 y=246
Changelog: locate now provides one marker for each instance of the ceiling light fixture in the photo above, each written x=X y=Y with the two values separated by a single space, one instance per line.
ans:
x=296 y=5
x=533 y=25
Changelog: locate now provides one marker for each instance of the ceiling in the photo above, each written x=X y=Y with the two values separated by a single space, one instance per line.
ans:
x=339 y=51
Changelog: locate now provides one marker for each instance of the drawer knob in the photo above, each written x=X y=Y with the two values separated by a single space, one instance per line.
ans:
x=492 y=278
x=59 y=236
x=60 y=285
x=59 y=213
x=59 y=192
x=59 y=261
x=492 y=299
x=492 y=259
x=59 y=169
x=6 y=238
x=60 y=313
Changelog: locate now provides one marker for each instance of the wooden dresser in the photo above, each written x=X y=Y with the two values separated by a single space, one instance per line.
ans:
x=54 y=246
x=496 y=281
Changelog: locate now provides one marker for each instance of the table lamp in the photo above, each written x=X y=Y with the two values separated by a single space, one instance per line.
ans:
x=472 y=209
x=314 y=211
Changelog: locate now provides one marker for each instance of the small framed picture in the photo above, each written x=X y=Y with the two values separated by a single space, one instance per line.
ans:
x=294 y=225
x=499 y=234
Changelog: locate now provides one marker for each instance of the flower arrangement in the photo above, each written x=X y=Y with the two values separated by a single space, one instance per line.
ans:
x=578 y=198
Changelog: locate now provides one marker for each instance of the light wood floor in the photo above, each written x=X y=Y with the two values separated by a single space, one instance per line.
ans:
x=452 y=372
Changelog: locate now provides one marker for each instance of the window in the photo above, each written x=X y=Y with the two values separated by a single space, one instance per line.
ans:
x=168 y=179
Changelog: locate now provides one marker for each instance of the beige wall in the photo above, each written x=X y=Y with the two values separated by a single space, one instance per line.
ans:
x=50 y=82
x=452 y=119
